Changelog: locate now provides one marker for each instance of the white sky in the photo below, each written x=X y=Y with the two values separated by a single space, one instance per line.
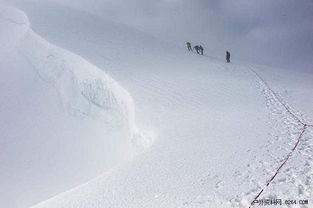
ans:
x=278 y=33
x=270 y=32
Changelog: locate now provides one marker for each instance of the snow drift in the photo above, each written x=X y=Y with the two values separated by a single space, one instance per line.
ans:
x=223 y=129
x=63 y=120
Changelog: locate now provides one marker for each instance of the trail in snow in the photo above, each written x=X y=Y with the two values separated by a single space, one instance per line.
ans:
x=216 y=141
x=304 y=124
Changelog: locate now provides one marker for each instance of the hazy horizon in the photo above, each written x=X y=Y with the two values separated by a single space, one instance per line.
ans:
x=276 y=33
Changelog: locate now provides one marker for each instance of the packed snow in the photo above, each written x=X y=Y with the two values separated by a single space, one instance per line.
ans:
x=64 y=120
x=95 y=113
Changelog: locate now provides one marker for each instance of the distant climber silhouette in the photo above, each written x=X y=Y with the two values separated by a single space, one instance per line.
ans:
x=189 y=46
x=197 y=48
x=201 y=49
x=227 y=56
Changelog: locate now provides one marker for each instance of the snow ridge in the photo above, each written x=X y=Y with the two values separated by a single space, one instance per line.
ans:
x=84 y=89
x=59 y=109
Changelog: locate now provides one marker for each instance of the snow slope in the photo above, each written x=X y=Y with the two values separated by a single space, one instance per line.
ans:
x=63 y=120
x=221 y=131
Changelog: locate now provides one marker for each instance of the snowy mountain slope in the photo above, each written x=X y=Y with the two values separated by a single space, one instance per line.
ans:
x=294 y=86
x=221 y=133
x=64 y=121
x=201 y=108
x=225 y=169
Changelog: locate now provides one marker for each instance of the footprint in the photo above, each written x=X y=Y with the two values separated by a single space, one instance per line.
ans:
x=300 y=189
x=218 y=185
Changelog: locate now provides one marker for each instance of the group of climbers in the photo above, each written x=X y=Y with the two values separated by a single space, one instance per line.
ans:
x=199 y=49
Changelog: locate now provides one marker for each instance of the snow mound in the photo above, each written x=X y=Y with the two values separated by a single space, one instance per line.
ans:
x=64 y=121
x=85 y=90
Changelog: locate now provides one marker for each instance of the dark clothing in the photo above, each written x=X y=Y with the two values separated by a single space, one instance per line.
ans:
x=197 y=48
x=201 y=49
x=189 y=46
x=227 y=56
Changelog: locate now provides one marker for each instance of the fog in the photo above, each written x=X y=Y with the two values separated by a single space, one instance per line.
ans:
x=277 y=33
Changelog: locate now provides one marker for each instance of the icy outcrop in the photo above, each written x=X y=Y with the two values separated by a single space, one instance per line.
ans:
x=85 y=90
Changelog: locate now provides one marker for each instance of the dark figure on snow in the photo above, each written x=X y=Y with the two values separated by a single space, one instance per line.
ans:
x=227 y=56
x=189 y=46
x=197 y=48
x=201 y=49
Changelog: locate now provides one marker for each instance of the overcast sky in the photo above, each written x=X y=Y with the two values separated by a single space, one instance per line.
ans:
x=273 y=32
x=270 y=32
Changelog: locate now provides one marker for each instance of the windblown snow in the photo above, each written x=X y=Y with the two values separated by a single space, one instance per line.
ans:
x=64 y=120
x=223 y=134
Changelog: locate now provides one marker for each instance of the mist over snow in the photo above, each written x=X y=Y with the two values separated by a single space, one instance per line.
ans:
x=102 y=105
x=277 y=33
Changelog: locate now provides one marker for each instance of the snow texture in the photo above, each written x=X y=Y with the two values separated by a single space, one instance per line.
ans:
x=64 y=121
x=219 y=135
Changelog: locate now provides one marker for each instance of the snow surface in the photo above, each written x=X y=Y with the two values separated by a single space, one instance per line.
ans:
x=64 y=121
x=220 y=131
